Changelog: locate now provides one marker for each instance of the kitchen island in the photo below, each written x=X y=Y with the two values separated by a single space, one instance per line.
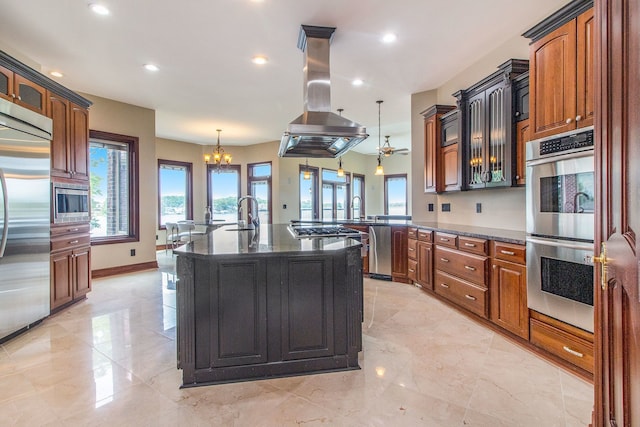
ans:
x=253 y=305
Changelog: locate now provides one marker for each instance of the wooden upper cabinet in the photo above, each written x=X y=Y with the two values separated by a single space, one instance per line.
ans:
x=561 y=78
x=450 y=152
x=58 y=111
x=80 y=142
x=29 y=95
x=523 y=136
x=433 y=172
x=585 y=69
x=6 y=84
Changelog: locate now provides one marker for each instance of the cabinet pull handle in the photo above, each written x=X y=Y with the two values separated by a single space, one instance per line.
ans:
x=471 y=297
x=578 y=118
x=517 y=113
x=411 y=270
x=468 y=267
x=444 y=260
x=471 y=245
x=73 y=242
x=442 y=239
x=571 y=351
x=13 y=95
x=19 y=98
x=568 y=120
x=73 y=229
x=507 y=252
x=411 y=249
x=444 y=285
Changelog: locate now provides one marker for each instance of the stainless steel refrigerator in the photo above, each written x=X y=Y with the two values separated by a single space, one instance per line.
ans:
x=25 y=139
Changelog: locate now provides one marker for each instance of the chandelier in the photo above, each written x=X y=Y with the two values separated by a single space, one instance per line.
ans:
x=220 y=158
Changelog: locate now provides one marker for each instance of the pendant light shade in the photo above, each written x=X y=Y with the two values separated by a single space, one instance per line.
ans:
x=306 y=174
x=379 y=168
x=340 y=170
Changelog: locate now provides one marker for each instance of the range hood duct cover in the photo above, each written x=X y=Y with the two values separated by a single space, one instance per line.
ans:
x=318 y=132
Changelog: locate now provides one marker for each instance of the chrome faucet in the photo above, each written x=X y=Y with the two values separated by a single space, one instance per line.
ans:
x=253 y=221
x=353 y=207
x=577 y=209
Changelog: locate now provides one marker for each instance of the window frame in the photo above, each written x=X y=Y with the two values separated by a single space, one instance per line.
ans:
x=133 y=144
x=361 y=177
x=211 y=169
x=334 y=184
x=188 y=190
x=251 y=178
x=406 y=192
x=315 y=179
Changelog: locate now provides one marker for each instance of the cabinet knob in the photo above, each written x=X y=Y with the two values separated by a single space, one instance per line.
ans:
x=578 y=118
x=568 y=120
x=517 y=113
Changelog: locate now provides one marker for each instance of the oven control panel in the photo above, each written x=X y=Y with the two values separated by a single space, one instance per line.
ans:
x=565 y=143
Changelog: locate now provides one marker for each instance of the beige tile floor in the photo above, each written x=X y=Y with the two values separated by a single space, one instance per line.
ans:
x=110 y=360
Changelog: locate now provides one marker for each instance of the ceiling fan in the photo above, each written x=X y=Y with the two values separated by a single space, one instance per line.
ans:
x=387 y=150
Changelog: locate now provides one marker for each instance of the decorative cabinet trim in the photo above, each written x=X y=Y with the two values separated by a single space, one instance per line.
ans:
x=558 y=19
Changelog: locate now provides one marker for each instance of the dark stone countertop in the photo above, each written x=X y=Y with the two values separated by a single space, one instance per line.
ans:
x=507 y=236
x=271 y=239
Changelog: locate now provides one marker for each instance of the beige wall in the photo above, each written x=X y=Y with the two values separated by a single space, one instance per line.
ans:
x=116 y=117
x=501 y=208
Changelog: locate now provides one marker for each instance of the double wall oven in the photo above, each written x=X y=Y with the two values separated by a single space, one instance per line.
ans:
x=560 y=227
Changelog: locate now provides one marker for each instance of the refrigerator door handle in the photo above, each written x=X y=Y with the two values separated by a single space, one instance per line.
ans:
x=5 y=226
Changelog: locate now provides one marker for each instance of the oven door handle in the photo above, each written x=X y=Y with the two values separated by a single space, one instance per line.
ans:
x=561 y=243
x=553 y=159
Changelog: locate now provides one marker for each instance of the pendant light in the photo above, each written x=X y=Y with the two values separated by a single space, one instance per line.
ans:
x=306 y=174
x=379 y=168
x=340 y=170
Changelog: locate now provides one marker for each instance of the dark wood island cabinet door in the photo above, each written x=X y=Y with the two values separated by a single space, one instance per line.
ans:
x=239 y=301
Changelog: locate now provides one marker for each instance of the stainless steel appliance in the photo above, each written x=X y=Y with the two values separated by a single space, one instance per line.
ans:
x=318 y=132
x=380 y=252
x=24 y=218
x=560 y=227
x=302 y=231
x=71 y=203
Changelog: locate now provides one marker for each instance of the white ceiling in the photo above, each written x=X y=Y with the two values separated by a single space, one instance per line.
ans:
x=204 y=49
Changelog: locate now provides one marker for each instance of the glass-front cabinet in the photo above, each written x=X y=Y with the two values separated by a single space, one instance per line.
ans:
x=488 y=136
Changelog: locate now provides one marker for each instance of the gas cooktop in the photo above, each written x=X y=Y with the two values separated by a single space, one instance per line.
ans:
x=315 y=231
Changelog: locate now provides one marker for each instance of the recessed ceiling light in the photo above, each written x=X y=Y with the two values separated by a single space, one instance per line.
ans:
x=151 y=67
x=357 y=82
x=56 y=73
x=99 y=9
x=389 y=38
x=260 y=59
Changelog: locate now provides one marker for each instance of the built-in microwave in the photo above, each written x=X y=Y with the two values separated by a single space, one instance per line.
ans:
x=70 y=203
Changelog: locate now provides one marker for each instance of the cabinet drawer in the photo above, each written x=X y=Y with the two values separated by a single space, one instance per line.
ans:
x=57 y=230
x=412 y=269
x=473 y=268
x=563 y=344
x=467 y=295
x=509 y=252
x=412 y=232
x=473 y=245
x=70 y=241
x=446 y=239
x=425 y=235
x=412 y=248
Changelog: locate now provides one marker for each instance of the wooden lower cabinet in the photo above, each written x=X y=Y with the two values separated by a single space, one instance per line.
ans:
x=508 y=292
x=399 y=254
x=565 y=341
x=70 y=263
x=425 y=265
x=70 y=275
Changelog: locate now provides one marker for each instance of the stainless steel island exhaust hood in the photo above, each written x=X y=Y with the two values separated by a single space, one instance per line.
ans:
x=318 y=132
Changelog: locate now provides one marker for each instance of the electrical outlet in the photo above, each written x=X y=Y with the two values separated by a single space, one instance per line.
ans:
x=284 y=206
x=446 y=207
x=478 y=207
x=133 y=252
x=430 y=207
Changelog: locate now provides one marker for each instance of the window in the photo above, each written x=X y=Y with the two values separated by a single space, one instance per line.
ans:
x=114 y=187
x=223 y=191
x=308 y=192
x=259 y=186
x=335 y=195
x=175 y=192
x=395 y=194
x=357 y=199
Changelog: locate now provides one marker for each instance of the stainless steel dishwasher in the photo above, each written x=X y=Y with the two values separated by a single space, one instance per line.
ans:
x=380 y=252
